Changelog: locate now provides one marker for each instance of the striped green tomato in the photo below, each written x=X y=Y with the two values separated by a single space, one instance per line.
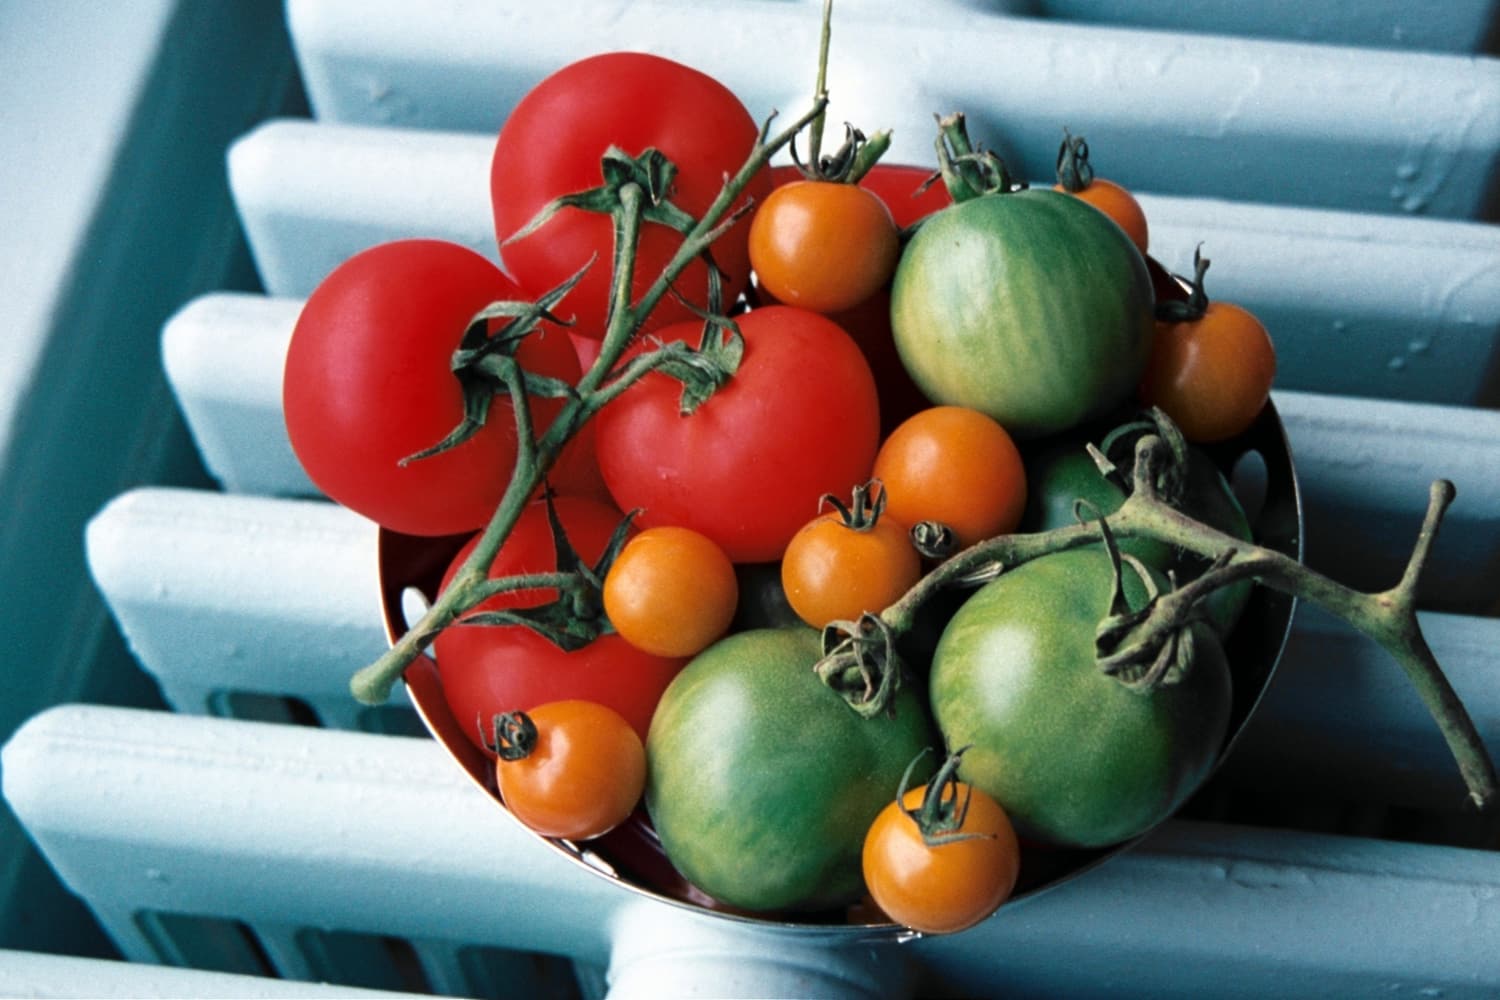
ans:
x=1030 y=306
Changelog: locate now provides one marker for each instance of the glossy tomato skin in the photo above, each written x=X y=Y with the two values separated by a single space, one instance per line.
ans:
x=748 y=467
x=1120 y=205
x=1074 y=757
x=904 y=189
x=823 y=245
x=946 y=887
x=1212 y=375
x=762 y=782
x=1030 y=306
x=671 y=591
x=487 y=669
x=834 y=572
x=1061 y=472
x=584 y=775
x=955 y=466
x=367 y=382
x=552 y=144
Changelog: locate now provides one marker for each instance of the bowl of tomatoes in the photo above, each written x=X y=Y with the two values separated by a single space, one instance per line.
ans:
x=809 y=555
x=752 y=566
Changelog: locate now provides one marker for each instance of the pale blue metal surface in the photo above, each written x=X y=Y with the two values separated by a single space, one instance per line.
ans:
x=272 y=832
x=114 y=209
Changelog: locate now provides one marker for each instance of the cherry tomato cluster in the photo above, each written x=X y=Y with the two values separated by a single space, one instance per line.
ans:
x=880 y=388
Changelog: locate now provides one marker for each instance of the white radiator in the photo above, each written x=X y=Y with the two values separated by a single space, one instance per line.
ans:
x=1339 y=163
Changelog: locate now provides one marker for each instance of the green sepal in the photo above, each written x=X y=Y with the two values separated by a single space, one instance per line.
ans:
x=575 y=617
x=703 y=370
x=484 y=362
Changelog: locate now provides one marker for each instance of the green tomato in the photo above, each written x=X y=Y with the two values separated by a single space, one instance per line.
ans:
x=762 y=781
x=1060 y=472
x=1031 y=306
x=1076 y=758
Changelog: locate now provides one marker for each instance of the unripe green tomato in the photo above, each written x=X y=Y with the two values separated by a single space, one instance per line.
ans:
x=1074 y=757
x=1061 y=472
x=762 y=781
x=1032 y=307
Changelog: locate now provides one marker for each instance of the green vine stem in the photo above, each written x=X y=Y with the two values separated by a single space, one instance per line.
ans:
x=1389 y=616
x=372 y=684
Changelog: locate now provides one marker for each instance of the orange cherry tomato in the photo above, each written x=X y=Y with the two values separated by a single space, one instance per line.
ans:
x=1211 y=365
x=671 y=591
x=849 y=561
x=942 y=857
x=956 y=466
x=571 y=769
x=1075 y=176
x=823 y=245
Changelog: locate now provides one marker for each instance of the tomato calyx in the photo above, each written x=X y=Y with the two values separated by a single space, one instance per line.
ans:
x=866 y=505
x=1170 y=470
x=513 y=736
x=933 y=539
x=1161 y=654
x=850 y=162
x=861 y=665
x=485 y=364
x=703 y=370
x=1074 y=172
x=941 y=815
x=651 y=174
x=969 y=171
x=1194 y=307
x=576 y=616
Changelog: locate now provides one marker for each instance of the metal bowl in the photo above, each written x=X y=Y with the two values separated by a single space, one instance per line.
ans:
x=1258 y=464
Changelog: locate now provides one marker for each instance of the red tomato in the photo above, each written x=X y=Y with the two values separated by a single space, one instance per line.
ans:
x=488 y=670
x=368 y=382
x=552 y=144
x=749 y=466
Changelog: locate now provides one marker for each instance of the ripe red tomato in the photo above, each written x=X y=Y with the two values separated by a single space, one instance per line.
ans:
x=901 y=188
x=846 y=562
x=823 y=245
x=955 y=466
x=368 y=382
x=671 y=591
x=579 y=772
x=748 y=467
x=552 y=143
x=487 y=670
x=1211 y=365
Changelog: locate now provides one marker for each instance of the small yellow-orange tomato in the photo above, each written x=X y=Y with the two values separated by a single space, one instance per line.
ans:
x=834 y=572
x=945 y=887
x=671 y=591
x=1120 y=205
x=822 y=245
x=956 y=466
x=582 y=778
x=1211 y=375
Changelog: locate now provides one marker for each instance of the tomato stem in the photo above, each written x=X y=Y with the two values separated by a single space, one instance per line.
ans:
x=1074 y=171
x=1389 y=616
x=373 y=683
x=513 y=736
x=1193 y=308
